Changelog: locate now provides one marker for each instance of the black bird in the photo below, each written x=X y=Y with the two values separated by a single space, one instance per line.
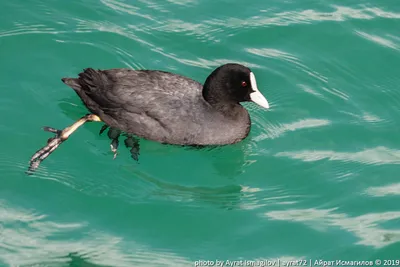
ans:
x=163 y=107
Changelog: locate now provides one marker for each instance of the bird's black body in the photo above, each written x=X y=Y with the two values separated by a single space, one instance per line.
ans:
x=160 y=106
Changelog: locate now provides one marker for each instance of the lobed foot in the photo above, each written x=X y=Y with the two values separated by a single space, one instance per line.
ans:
x=114 y=135
x=54 y=142
x=133 y=143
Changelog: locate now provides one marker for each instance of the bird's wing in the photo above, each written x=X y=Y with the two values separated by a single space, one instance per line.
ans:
x=140 y=101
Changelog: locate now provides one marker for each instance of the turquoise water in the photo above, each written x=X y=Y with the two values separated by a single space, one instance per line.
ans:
x=317 y=179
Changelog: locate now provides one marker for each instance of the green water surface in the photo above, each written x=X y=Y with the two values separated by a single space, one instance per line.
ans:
x=317 y=179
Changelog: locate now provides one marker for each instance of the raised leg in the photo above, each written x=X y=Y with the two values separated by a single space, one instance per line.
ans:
x=133 y=144
x=54 y=142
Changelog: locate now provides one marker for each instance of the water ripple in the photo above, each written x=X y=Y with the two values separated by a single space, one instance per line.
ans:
x=341 y=13
x=296 y=63
x=275 y=131
x=376 y=156
x=382 y=191
x=380 y=40
x=201 y=31
x=366 y=117
x=37 y=241
x=182 y=2
x=29 y=29
x=126 y=8
x=88 y=26
x=275 y=53
x=365 y=227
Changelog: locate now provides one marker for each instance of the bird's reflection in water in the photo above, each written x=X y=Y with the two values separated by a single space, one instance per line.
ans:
x=225 y=197
x=74 y=259
x=228 y=162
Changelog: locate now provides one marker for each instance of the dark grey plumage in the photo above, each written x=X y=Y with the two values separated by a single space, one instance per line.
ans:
x=169 y=108
x=162 y=106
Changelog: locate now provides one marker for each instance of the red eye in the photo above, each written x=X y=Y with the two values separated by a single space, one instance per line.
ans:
x=244 y=84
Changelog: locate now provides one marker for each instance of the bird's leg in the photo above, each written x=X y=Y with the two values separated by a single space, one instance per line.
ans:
x=103 y=128
x=54 y=142
x=133 y=143
x=114 y=134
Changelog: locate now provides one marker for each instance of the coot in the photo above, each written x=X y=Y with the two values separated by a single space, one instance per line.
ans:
x=163 y=107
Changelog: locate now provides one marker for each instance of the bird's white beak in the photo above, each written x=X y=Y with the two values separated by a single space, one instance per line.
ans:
x=256 y=96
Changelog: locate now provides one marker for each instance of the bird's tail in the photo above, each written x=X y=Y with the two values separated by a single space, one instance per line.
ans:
x=89 y=80
x=72 y=82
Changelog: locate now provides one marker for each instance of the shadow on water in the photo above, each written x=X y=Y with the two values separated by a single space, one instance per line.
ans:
x=73 y=259
x=77 y=260
x=225 y=197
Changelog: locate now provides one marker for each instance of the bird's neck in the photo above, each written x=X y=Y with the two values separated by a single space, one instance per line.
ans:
x=221 y=104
